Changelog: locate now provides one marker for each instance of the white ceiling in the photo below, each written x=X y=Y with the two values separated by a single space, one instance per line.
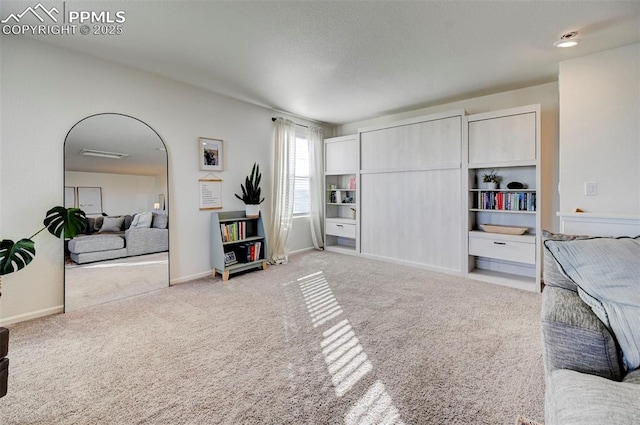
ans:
x=118 y=134
x=344 y=61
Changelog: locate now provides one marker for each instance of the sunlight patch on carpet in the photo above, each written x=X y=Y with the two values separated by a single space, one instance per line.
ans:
x=374 y=407
x=346 y=360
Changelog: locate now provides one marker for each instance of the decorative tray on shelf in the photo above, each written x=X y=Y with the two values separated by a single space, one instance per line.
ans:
x=507 y=230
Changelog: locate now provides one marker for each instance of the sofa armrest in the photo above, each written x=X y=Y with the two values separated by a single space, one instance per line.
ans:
x=146 y=240
x=577 y=399
x=574 y=338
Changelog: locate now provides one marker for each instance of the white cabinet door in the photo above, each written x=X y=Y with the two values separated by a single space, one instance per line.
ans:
x=341 y=154
x=510 y=138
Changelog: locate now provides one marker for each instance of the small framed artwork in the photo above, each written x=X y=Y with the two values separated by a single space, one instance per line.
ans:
x=211 y=154
x=210 y=194
x=69 y=197
x=90 y=200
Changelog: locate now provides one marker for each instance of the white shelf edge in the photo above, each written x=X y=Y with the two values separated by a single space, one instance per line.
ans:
x=340 y=173
x=503 y=164
x=503 y=190
x=527 y=237
x=501 y=211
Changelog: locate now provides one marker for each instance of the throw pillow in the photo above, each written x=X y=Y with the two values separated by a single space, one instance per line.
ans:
x=160 y=221
x=607 y=273
x=112 y=224
x=127 y=221
x=551 y=275
x=142 y=220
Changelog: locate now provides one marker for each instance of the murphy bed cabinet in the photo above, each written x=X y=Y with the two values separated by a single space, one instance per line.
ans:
x=238 y=243
x=341 y=200
x=507 y=142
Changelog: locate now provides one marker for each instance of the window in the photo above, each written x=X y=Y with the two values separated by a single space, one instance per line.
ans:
x=301 y=201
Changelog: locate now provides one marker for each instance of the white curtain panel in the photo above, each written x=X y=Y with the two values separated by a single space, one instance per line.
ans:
x=316 y=186
x=284 y=141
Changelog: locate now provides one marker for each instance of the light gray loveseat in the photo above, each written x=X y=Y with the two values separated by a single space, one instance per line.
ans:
x=586 y=380
x=99 y=243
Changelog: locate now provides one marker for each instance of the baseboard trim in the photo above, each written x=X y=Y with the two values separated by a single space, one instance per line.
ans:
x=298 y=251
x=413 y=264
x=190 y=277
x=31 y=315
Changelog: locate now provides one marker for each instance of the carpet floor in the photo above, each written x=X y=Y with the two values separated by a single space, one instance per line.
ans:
x=326 y=339
x=96 y=283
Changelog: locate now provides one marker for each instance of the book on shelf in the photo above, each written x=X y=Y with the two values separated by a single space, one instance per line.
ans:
x=506 y=201
x=233 y=232
x=249 y=252
x=352 y=182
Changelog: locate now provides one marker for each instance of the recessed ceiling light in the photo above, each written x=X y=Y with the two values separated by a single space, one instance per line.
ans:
x=568 y=40
x=103 y=154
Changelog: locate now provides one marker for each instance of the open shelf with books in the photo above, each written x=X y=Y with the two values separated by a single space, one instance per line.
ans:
x=238 y=243
x=503 y=237
x=341 y=193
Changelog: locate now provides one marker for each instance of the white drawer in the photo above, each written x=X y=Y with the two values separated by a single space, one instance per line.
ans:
x=503 y=249
x=340 y=229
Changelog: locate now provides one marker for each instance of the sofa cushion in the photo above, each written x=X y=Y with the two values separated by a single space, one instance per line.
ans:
x=606 y=271
x=551 y=275
x=112 y=224
x=574 y=338
x=574 y=398
x=632 y=377
x=160 y=221
x=142 y=220
x=94 y=243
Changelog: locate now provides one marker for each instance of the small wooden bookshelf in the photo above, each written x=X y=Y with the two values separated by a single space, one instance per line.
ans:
x=238 y=243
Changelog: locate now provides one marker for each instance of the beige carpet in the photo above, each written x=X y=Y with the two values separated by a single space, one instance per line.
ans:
x=96 y=283
x=326 y=339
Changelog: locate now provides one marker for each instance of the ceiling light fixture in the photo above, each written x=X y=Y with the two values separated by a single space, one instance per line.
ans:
x=103 y=154
x=568 y=40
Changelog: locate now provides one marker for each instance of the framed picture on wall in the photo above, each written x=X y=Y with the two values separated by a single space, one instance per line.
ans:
x=69 y=197
x=210 y=194
x=90 y=200
x=211 y=154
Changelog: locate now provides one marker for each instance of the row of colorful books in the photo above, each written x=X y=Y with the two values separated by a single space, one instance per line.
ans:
x=232 y=232
x=509 y=201
x=248 y=252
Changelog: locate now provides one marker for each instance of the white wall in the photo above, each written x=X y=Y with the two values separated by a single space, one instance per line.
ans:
x=45 y=91
x=545 y=94
x=121 y=193
x=600 y=131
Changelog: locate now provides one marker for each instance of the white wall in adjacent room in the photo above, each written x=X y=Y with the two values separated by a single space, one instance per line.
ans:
x=600 y=131
x=45 y=91
x=121 y=193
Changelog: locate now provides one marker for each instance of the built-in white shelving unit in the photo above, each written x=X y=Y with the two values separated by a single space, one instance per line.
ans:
x=341 y=194
x=507 y=142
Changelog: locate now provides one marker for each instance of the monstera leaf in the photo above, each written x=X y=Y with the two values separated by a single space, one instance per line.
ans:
x=15 y=256
x=68 y=222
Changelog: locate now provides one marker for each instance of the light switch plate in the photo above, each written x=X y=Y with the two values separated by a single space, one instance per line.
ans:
x=590 y=188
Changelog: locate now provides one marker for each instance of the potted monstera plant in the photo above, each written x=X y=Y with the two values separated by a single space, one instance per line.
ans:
x=59 y=221
x=251 y=193
x=15 y=256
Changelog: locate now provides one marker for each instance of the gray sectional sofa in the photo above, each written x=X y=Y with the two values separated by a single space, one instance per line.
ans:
x=588 y=380
x=107 y=238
